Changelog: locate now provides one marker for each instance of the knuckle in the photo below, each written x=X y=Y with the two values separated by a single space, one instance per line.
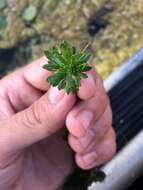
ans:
x=36 y=116
x=101 y=128
x=88 y=141
x=31 y=117
x=41 y=116
x=75 y=144
x=36 y=113
x=80 y=162
x=27 y=119
x=80 y=148
x=74 y=126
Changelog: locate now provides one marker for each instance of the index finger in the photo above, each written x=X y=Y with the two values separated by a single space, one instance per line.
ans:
x=35 y=75
x=91 y=85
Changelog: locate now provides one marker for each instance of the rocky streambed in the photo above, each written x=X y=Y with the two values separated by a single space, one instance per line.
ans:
x=112 y=28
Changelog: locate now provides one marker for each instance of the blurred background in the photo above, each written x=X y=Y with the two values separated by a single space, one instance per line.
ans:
x=112 y=28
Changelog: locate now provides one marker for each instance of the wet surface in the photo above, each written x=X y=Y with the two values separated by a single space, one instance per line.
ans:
x=6 y=57
x=98 y=22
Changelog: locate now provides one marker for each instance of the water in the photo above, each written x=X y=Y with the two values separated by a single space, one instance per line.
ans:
x=6 y=60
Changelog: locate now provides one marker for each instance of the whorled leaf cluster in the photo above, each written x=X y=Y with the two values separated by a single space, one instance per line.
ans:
x=68 y=66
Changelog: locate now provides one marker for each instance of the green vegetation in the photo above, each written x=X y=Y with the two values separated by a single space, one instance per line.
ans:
x=68 y=65
x=120 y=37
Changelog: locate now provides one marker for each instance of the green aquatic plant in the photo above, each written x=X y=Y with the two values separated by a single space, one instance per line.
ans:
x=82 y=179
x=69 y=67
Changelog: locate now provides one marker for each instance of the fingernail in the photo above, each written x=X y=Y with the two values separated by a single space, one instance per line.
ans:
x=85 y=118
x=55 y=95
x=90 y=157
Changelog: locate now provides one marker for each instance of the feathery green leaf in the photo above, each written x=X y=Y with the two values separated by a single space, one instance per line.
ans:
x=68 y=66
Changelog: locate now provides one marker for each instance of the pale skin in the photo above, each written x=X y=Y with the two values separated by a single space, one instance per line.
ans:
x=33 y=154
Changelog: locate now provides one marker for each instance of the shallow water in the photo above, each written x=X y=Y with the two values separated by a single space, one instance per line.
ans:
x=6 y=57
x=113 y=28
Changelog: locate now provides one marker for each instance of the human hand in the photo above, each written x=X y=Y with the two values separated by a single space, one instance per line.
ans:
x=33 y=154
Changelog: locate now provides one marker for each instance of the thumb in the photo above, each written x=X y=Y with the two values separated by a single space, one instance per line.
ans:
x=43 y=118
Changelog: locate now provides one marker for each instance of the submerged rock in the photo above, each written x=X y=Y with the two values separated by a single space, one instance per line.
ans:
x=112 y=28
